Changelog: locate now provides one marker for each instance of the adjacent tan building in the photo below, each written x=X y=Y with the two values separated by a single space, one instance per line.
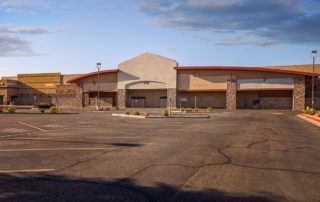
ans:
x=27 y=89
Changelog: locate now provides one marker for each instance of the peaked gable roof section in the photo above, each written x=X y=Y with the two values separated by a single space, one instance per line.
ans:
x=238 y=68
x=75 y=79
x=147 y=54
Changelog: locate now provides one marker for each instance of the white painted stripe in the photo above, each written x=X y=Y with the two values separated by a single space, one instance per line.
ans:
x=26 y=171
x=35 y=127
x=53 y=149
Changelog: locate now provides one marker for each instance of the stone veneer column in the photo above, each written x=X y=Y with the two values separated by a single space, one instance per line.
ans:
x=299 y=92
x=231 y=95
x=79 y=96
x=122 y=93
x=86 y=99
x=172 y=97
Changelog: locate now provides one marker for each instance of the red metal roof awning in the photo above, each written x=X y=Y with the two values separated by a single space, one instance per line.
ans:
x=73 y=80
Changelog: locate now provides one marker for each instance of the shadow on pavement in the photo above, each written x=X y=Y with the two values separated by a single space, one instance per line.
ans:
x=60 y=188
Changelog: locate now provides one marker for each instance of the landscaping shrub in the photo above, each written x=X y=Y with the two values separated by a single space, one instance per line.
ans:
x=42 y=105
x=183 y=109
x=196 y=109
x=165 y=112
x=126 y=112
x=104 y=108
x=53 y=110
x=309 y=111
x=116 y=107
x=189 y=110
x=41 y=110
x=209 y=109
x=11 y=109
x=137 y=113
x=146 y=114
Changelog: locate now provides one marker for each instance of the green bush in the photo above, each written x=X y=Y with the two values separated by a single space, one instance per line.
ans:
x=196 y=109
x=126 y=112
x=41 y=110
x=189 y=110
x=309 y=111
x=183 y=109
x=165 y=112
x=43 y=105
x=137 y=113
x=53 y=110
x=209 y=109
x=146 y=114
x=104 y=108
x=116 y=107
x=11 y=109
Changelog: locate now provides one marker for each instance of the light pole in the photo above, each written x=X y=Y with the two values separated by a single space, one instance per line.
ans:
x=98 y=101
x=314 y=56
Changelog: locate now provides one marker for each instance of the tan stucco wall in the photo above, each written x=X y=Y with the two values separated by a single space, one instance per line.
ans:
x=217 y=79
x=204 y=99
x=108 y=82
x=202 y=82
x=147 y=71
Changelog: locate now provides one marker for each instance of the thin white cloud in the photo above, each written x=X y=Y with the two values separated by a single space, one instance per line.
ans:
x=25 y=5
x=11 y=43
x=28 y=30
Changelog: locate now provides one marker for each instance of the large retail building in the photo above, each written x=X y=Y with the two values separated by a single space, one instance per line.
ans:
x=152 y=81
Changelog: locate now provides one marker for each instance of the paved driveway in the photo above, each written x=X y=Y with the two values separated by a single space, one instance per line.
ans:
x=233 y=156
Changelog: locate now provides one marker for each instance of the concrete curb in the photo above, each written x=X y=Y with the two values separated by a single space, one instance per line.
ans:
x=157 y=117
x=311 y=119
x=178 y=117
x=131 y=116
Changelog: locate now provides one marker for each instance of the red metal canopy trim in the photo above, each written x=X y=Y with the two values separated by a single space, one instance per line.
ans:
x=260 y=69
x=75 y=79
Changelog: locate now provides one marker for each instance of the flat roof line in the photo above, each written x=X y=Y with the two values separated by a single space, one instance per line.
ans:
x=240 y=68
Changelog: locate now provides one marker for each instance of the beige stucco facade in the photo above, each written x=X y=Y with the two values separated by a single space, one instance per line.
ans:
x=147 y=72
x=150 y=80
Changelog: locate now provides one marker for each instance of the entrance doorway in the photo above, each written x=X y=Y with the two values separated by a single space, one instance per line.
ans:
x=138 y=102
x=1 y=100
x=163 y=102
x=150 y=98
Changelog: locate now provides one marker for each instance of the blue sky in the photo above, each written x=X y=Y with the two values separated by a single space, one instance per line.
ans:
x=70 y=36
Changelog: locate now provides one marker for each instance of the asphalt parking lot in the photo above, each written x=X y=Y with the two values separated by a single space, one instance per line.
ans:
x=233 y=156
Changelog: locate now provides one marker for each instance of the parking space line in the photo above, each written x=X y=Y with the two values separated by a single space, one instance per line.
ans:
x=55 y=149
x=35 y=127
x=26 y=171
